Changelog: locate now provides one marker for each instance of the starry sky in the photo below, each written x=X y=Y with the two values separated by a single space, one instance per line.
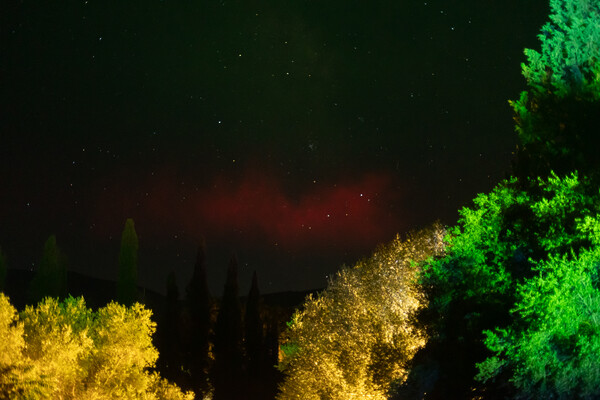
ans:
x=296 y=134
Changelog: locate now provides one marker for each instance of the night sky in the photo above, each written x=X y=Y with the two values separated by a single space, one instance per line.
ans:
x=296 y=134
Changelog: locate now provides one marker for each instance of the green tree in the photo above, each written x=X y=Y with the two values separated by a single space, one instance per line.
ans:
x=495 y=255
x=492 y=254
x=557 y=117
x=50 y=278
x=357 y=337
x=128 y=264
x=552 y=347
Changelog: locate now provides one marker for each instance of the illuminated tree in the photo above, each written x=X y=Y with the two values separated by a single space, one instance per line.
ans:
x=552 y=348
x=494 y=263
x=518 y=256
x=128 y=263
x=57 y=338
x=11 y=332
x=558 y=116
x=64 y=350
x=12 y=344
x=357 y=337
x=50 y=278
x=122 y=338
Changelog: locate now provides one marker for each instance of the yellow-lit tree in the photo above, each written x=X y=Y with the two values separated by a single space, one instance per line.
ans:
x=12 y=343
x=63 y=350
x=356 y=337
x=56 y=338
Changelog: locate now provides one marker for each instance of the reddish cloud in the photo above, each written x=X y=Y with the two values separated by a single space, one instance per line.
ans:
x=257 y=208
x=349 y=213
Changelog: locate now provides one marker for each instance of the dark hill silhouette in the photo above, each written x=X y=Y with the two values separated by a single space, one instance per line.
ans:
x=98 y=292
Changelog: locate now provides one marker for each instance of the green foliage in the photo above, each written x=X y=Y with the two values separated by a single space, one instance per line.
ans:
x=65 y=350
x=51 y=277
x=553 y=345
x=495 y=242
x=477 y=247
x=527 y=255
x=517 y=290
x=569 y=62
x=289 y=349
x=357 y=336
x=128 y=263
x=557 y=117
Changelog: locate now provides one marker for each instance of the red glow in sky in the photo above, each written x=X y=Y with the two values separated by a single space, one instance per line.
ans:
x=335 y=213
x=257 y=208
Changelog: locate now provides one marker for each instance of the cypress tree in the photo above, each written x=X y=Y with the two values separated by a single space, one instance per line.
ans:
x=128 y=261
x=50 y=279
x=271 y=376
x=169 y=333
x=197 y=343
x=271 y=352
x=227 y=369
x=253 y=330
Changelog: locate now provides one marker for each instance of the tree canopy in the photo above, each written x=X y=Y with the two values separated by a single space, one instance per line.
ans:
x=357 y=337
x=552 y=347
x=517 y=262
x=62 y=349
x=558 y=115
